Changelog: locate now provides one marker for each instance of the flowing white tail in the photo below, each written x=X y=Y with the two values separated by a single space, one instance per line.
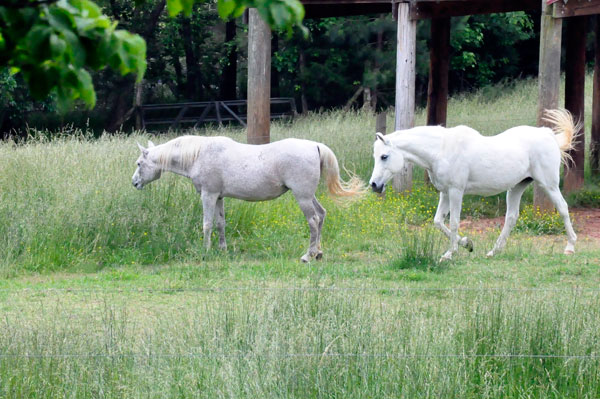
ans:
x=565 y=129
x=336 y=186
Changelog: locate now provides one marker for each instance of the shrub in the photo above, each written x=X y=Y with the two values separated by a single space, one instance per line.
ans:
x=585 y=198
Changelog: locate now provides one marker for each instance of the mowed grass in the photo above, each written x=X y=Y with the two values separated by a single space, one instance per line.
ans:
x=107 y=291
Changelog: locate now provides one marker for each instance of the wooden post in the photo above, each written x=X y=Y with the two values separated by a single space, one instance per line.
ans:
x=595 y=138
x=381 y=123
x=439 y=65
x=574 y=99
x=259 y=79
x=439 y=62
x=548 y=80
x=381 y=127
x=405 y=85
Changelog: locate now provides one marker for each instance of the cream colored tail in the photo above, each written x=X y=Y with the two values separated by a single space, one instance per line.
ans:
x=565 y=130
x=352 y=188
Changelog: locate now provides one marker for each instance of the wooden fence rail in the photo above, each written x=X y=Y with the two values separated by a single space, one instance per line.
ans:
x=192 y=114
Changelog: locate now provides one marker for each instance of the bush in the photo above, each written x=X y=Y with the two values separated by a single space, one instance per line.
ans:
x=585 y=198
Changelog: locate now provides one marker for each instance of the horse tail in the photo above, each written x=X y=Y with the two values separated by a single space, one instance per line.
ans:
x=565 y=131
x=335 y=185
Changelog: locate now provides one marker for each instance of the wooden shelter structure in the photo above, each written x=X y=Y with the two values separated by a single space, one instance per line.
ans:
x=407 y=13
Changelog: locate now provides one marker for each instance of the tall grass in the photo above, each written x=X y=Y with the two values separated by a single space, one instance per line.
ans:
x=67 y=203
x=306 y=343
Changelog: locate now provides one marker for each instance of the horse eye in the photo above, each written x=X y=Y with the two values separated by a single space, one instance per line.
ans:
x=384 y=157
x=139 y=164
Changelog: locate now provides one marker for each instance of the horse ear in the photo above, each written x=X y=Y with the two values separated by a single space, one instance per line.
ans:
x=379 y=136
x=150 y=144
x=142 y=149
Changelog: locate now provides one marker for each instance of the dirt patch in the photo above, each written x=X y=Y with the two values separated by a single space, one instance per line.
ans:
x=586 y=222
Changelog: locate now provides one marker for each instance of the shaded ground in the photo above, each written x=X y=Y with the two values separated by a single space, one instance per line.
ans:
x=585 y=220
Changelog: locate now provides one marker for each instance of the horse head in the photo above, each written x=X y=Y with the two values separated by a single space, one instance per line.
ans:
x=147 y=170
x=388 y=162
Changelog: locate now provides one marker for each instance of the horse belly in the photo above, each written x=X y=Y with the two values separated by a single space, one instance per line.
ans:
x=254 y=189
x=492 y=184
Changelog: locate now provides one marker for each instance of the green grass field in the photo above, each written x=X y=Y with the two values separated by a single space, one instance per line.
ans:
x=107 y=292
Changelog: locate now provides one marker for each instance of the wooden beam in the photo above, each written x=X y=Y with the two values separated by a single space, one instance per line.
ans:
x=439 y=66
x=595 y=137
x=574 y=97
x=548 y=81
x=445 y=9
x=439 y=63
x=259 y=79
x=381 y=123
x=575 y=8
x=336 y=10
x=405 y=85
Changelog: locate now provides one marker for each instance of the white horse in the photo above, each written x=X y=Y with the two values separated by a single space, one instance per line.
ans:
x=462 y=161
x=220 y=167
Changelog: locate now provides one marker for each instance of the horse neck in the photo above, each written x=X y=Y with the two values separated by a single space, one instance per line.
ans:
x=420 y=145
x=175 y=162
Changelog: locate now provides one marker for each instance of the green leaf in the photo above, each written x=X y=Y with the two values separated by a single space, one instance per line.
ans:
x=225 y=8
x=86 y=87
x=174 y=7
x=281 y=15
x=60 y=19
x=57 y=46
x=37 y=41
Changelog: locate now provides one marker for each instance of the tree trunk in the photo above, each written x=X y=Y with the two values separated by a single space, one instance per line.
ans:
x=122 y=103
x=229 y=77
x=192 y=91
x=178 y=76
x=302 y=62
x=275 y=92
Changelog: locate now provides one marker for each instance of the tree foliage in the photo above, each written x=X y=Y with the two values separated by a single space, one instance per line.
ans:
x=55 y=43
x=188 y=56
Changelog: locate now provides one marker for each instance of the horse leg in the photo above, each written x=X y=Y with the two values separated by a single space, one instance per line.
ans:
x=313 y=219
x=562 y=208
x=455 y=200
x=440 y=217
x=220 y=221
x=513 y=199
x=209 y=201
x=322 y=213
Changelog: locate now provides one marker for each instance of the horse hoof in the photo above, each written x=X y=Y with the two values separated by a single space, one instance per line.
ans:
x=569 y=252
x=467 y=243
x=319 y=255
x=446 y=257
x=305 y=259
x=490 y=254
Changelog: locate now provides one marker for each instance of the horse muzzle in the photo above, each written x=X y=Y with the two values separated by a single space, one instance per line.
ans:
x=137 y=184
x=376 y=188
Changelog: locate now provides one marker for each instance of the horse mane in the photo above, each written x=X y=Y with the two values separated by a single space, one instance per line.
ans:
x=185 y=148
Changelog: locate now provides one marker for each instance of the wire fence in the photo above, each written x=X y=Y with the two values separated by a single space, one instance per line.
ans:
x=242 y=355
x=170 y=290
